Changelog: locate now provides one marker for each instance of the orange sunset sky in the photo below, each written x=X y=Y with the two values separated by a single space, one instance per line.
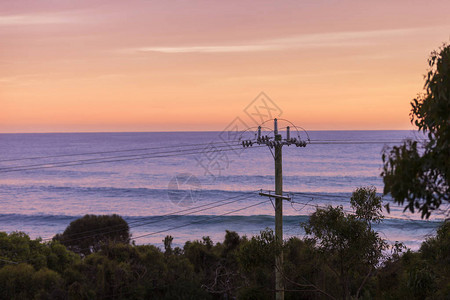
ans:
x=148 y=65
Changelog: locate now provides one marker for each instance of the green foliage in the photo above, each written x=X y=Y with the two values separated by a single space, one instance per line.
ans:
x=419 y=275
x=421 y=175
x=260 y=250
x=22 y=281
x=18 y=247
x=15 y=281
x=217 y=264
x=89 y=233
x=367 y=204
x=339 y=259
x=346 y=242
x=47 y=284
x=421 y=282
x=435 y=252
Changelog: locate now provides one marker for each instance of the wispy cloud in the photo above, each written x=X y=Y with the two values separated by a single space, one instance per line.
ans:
x=333 y=39
x=210 y=49
x=35 y=19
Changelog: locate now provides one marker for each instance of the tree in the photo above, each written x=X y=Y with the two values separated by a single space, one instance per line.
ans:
x=347 y=243
x=89 y=233
x=420 y=174
x=367 y=205
x=257 y=261
x=17 y=247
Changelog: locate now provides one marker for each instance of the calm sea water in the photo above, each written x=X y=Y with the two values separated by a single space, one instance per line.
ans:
x=187 y=196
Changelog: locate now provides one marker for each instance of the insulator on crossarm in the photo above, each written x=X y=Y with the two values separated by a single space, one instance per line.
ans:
x=301 y=144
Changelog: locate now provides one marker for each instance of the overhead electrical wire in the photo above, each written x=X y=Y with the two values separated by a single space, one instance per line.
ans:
x=167 y=216
x=200 y=221
x=114 y=157
x=175 y=214
x=385 y=217
x=185 y=145
x=167 y=153
x=118 y=151
x=353 y=142
x=349 y=211
x=306 y=194
x=107 y=160
x=165 y=230
x=380 y=141
x=217 y=216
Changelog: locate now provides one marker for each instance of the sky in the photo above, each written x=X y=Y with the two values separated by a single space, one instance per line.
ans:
x=146 y=65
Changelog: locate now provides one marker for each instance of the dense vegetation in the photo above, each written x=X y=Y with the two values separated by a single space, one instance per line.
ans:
x=341 y=257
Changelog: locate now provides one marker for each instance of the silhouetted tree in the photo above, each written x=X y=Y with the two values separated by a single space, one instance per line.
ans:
x=420 y=173
x=87 y=234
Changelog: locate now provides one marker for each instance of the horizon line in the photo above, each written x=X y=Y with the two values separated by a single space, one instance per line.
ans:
x=192 y=131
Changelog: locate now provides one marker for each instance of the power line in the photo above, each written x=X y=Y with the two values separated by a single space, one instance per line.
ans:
x=191 y=145
x=318 y=194
x=171 y=228
x=354 y=142
x=190 y=223
x=162 y=216
x=196 y=222
x=376 y=140
x=108 y=157
x=168 y=216
x=384 y=218
x=116 y=151
x=349 y=211
x=99 y=231
x=56 y=165
x=150 y=155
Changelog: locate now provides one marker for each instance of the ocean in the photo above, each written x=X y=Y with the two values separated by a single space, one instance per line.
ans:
x=190 y=184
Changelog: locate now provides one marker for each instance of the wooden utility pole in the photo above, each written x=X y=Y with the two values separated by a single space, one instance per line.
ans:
x=277 y=143
x=279 y=286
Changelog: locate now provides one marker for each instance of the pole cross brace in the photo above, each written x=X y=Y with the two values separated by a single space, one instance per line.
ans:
x=275 y=196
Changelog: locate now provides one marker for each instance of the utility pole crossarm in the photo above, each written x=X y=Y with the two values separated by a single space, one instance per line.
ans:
x=275 y=196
